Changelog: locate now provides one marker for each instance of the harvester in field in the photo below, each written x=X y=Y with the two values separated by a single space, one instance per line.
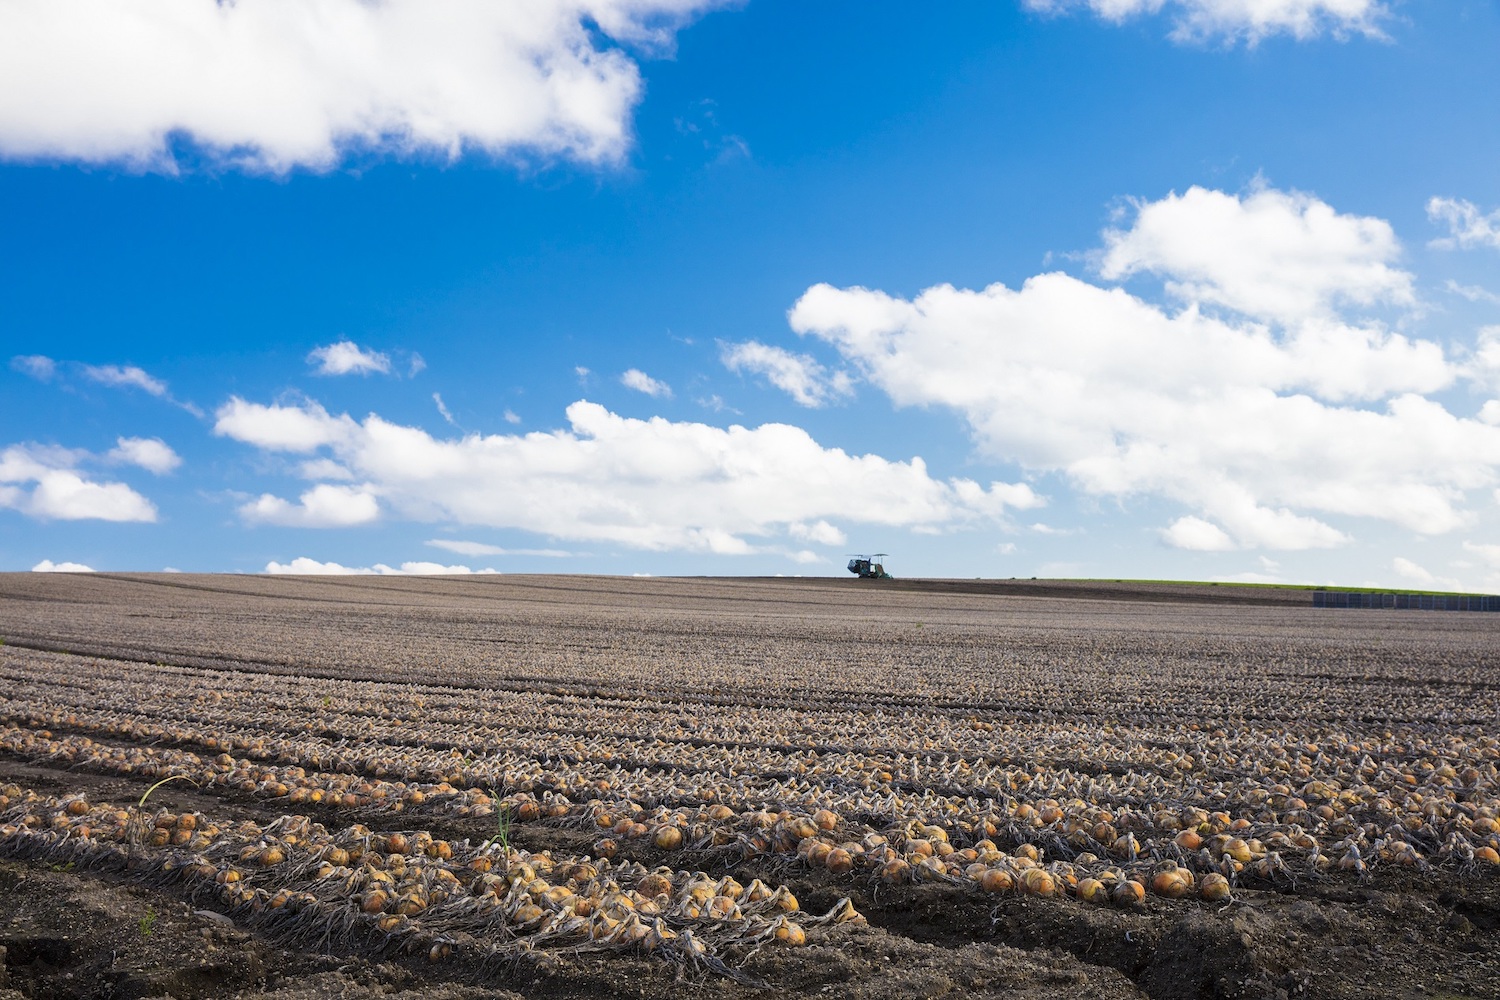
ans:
x=869 y=567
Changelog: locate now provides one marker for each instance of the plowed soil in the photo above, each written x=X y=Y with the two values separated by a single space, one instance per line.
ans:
x=71 y=932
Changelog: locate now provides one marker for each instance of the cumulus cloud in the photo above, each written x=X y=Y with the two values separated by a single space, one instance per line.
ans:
x=641 y=382
x=1248 y=20
x=151 y=454
x=1484 y=364
x=649 y=484
x=819 y=532
x=38 y=366
x=437 y=569
x=1468 y=226
x=348 y=358
x=45 y=482
x=1274 y=255
x=270 y=86
x=311 y=567
x=48 y=566
x=281 y=428
x=323 y=506
x=798 y=375
x=1249 y=425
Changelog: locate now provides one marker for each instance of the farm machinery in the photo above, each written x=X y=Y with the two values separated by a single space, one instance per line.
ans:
x=869 y=567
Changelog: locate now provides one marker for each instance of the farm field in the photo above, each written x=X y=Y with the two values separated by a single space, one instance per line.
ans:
x=555 y=786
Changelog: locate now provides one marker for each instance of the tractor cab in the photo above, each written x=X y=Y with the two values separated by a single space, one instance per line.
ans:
x=869 y=567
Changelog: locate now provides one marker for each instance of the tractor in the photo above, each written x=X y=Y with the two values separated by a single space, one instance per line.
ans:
x=869 y=567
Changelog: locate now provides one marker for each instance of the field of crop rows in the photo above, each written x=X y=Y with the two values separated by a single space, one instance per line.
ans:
x=561 y=785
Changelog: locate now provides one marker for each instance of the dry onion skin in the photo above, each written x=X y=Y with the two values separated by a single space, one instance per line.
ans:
x=954 y=754
x=407 y=892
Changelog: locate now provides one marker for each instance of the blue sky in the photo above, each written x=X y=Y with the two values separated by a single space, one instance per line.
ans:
x=1184 y=289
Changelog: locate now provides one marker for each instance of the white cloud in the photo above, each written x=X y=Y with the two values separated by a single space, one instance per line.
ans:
x=38 y=366
x=323 y=506
x=121 y=376
x=1489 y=553
x=1197 y=535
x=1250 y=20
x=151 y=454
x=323 y=468
x=467 y=548
x=269 y=85
x=1248 y=577
x=60 y=491
x=1474 y=293
x=1274 y=255
x=48 y=566
x=1018 y=495
x=1408 y=570
x=65 y=495
x=281 y=428
x=641 y=382
x=1249 y=429
x=438 y=569
x=819 y=533
x=311 y=567
x=1468 y=226
x=1484 y=364
x=649 y=484
x=347 y=358
x=511 y=417
x=44 y=369
x=472 y=549
x=443 y=409
x=798 y=375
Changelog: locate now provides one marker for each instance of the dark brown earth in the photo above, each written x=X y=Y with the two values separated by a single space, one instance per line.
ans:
x=72 y=934
x=69 y=933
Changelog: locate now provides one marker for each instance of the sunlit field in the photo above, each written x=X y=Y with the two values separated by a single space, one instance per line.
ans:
x=553 y=785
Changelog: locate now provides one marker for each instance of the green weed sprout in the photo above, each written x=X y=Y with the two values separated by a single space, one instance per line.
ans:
x=502 y=831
